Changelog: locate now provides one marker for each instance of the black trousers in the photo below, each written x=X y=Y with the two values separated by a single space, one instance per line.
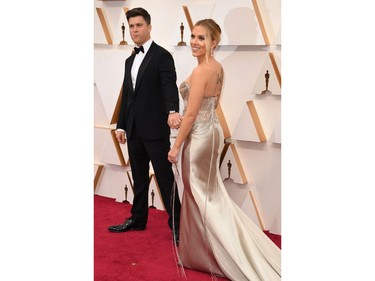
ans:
x=141 y=152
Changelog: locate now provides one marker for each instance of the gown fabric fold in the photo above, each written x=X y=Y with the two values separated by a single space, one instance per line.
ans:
x=216 y=236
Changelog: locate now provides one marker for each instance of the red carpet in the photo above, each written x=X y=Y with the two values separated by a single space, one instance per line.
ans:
x=137 y=255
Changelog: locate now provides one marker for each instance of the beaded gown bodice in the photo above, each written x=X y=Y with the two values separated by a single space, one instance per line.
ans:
x=206 y=114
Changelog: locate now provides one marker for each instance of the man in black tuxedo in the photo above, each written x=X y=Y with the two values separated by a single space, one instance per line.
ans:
x=149 y=108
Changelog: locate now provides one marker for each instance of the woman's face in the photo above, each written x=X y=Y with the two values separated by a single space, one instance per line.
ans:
x=139 y=30
x=198 y=41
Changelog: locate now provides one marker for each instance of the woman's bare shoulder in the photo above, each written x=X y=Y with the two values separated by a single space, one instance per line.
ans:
x=199 y=73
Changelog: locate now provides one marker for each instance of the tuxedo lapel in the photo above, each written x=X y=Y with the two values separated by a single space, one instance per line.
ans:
x=129 y=70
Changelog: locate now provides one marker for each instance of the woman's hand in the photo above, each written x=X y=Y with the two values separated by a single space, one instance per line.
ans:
x=173 y=155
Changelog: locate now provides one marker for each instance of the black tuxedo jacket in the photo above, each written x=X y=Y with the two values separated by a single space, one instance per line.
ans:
x=154 y=96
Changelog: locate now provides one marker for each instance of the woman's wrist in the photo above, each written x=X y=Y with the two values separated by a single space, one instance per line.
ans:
x=176 y=147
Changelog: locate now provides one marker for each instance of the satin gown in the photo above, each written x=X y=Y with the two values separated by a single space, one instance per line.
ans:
x=216 y=236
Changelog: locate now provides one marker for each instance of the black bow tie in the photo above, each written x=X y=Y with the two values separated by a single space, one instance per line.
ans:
x=136 y=50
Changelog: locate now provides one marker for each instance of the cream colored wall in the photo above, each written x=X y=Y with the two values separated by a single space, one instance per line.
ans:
x=256 y=172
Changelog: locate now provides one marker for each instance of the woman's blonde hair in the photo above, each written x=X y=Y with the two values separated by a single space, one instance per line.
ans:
x=213 y=33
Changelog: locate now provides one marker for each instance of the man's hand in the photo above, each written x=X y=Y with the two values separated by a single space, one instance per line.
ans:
x=120 y=136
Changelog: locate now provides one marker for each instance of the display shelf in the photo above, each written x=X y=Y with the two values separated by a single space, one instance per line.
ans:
x=113 y=46
x=106 y=127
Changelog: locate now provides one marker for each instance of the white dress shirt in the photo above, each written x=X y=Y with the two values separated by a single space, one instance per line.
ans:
x=138 y=61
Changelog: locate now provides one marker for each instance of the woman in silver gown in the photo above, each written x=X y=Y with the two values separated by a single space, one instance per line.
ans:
x=215 y=235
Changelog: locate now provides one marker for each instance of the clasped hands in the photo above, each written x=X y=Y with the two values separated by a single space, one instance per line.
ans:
x=174 y=120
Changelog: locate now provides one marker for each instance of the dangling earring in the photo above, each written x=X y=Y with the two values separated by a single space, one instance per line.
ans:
x=212 y=52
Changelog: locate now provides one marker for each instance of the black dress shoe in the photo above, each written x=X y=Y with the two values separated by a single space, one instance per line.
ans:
x=129 y=224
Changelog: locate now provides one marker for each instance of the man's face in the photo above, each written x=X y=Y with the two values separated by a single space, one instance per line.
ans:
x=139 y=30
